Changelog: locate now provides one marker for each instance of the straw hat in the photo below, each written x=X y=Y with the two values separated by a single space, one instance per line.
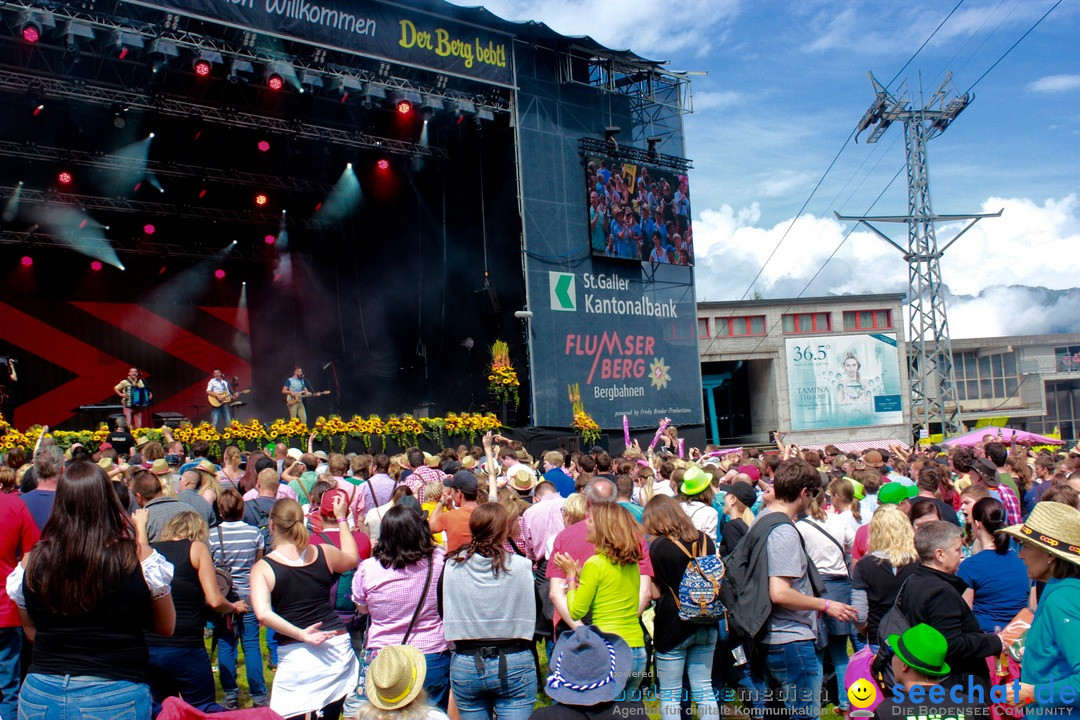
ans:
x=106 y=464
x=205 y=466
x=432 y=461
x=1053 y=527
x=395 y=677
x=523 y=480
x=468 y=462
x=160 y=467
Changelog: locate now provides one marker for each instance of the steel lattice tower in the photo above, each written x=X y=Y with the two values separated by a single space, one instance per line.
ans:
x=933 y=384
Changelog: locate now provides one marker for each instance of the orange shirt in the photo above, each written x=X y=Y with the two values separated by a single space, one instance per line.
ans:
x=455 y=523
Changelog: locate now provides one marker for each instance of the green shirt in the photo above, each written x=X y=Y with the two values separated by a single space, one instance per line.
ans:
x=610 y=591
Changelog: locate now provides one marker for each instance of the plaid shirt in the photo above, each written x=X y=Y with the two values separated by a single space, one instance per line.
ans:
x=420 y=477
x=391 y=596
x=1012 y=505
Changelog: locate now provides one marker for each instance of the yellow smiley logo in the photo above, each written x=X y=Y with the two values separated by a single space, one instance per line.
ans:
x=862 y=693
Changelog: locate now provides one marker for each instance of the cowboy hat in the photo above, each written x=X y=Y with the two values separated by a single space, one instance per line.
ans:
x=1053 y=527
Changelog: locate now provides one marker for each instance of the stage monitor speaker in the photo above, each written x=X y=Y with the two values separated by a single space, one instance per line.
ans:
x=172 y=419
x=489 y=301
x=571 y=444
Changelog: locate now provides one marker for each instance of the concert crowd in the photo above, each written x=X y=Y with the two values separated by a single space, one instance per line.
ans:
x=483 y=581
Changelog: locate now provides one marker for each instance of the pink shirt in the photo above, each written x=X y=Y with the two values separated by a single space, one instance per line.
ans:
x=283 y=491
x=419 y=479
x=391 y=596
x=542 y=520
x=572 y=540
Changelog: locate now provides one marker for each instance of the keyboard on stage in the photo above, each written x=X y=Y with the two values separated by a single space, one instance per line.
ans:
x=98 y=408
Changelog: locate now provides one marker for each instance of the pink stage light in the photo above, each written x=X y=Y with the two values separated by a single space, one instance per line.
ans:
x=219 y=274
x=404 y=107
x=31 y=33
x=64 y=178
x=275 y=82
x=269 y=239
x=27 y=261
x=261 y=199
x=383 y=164
x=149 y=229
x=95 y=266
x=203 y=68
x=264 y=146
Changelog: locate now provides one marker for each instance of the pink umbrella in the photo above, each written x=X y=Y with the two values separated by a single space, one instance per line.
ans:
x=1005 y=435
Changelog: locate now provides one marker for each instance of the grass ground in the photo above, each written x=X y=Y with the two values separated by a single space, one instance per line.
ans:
x=652 y=707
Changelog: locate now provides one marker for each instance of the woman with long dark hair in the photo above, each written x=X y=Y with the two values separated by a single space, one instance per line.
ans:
x=87 y=593
x=406 y=567
x=290 y=591
x=998 y=585
x=489 y=613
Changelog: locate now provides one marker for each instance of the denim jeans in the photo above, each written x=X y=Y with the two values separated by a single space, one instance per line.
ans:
x=796 y=669
x=695 y=655
x=183 y=671
x=246 y=627
x=271 y=646
x=11 y=640
x=436 y=681
x=480 y=692
x=221 y=414
x=49 y=697
x=638 y=660
x=837 y=649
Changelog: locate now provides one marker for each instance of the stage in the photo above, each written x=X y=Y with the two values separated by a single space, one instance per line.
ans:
x=190 y=186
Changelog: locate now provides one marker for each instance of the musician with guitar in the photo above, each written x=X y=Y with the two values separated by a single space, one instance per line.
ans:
x=219 y=394
x=296 y=388
x=130 y=390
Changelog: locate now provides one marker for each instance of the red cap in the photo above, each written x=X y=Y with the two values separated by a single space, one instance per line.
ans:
x=326 y=507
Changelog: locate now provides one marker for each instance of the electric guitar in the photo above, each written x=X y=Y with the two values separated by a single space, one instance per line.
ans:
x=224 y=398
x=298 y=397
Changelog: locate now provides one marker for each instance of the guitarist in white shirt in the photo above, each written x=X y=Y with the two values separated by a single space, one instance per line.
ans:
x=219 y=387
x=294 y=390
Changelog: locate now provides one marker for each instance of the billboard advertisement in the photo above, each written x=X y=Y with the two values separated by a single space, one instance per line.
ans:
x=839 y=381
x=629 y=342
x=638 y=212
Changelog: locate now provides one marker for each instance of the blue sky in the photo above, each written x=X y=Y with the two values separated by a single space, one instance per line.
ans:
x=786 y=84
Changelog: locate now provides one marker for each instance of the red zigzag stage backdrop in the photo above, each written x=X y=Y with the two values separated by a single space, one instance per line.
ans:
x=74 y=353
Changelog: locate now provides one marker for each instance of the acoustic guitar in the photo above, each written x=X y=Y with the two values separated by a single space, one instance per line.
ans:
x=295 y=398
x=224 y=398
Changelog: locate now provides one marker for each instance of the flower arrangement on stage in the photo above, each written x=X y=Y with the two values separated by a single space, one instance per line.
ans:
x=405 y=430
x=583 y=422
x=502 y=379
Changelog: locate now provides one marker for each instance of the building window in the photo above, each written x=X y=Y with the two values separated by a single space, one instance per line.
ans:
x=986 y=376
x=796 y=323
x=740 y=326
x=868 y=320
x=703 y=328
x=1068 y=358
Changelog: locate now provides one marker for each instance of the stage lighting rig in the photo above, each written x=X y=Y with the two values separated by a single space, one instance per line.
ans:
x=32 y=24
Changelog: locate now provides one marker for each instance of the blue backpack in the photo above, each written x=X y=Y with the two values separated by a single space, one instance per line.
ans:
x=698 y=598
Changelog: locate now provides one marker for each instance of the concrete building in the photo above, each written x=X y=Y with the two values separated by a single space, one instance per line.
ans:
x=780 y=365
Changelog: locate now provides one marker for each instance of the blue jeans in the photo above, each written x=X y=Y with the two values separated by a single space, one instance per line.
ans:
x=695 y=654
x=271 y=646
x=480 y=692
x=219 y=414
x=796 y=668
x=245 y=626
x=837 y=649
x=183 y=671
x=55 y=697
x=10 y=650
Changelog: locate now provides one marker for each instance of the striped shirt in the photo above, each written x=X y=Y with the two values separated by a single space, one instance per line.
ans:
x=241 y=542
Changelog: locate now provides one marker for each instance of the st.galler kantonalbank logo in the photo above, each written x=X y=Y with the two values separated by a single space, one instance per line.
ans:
x=563 y=289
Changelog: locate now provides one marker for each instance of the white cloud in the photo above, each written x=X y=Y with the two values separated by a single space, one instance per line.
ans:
x=716 y=100
x=1013 y=310
x=1055 y=83
x=1030 y=246
x=645 y=26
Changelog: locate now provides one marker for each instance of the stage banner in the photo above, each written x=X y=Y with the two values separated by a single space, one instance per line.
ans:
x=838 y=381
x=376 y=29
x=629 y=341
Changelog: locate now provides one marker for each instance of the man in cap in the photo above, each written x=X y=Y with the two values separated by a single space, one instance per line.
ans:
x=986 y=474
x=452 y=512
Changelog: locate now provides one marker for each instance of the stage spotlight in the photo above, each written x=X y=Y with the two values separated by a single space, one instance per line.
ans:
x=31 y=32
x=275 y=82
x=261 y=199
x=149 y=229
x=269 y=239
x=27 y=261
x=203 y=68
x=64 y=177
x=96 y=266
x=264 y=146
x=219 y=274
x=40 y=108
x=383 y=164
x=404 y=107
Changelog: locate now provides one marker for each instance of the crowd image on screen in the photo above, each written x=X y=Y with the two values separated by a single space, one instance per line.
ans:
x=638 y=212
